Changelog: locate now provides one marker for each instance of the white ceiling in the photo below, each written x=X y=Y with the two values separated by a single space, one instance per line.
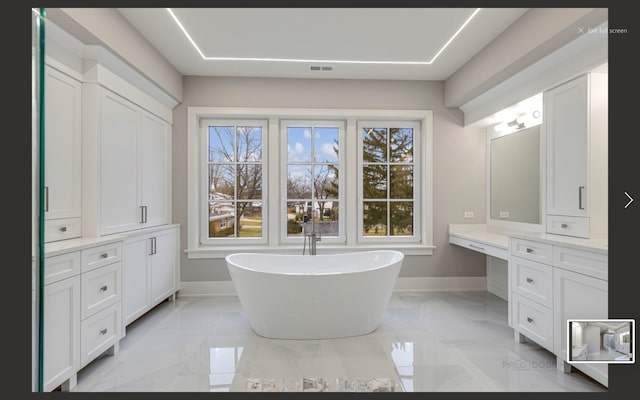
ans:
x=338 y=34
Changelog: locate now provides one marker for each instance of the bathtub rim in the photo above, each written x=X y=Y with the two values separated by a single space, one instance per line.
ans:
x=359 y=271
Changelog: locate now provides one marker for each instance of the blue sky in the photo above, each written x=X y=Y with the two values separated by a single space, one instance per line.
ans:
x=299 y=144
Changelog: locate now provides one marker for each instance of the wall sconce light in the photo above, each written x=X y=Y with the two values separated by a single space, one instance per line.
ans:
x=515 y=124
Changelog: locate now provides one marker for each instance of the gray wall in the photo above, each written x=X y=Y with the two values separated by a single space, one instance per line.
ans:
x=459 y=155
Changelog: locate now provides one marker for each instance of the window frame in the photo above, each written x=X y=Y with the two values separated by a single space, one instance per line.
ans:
x=417 y=181
x=204 y=202
x=314 y=123
x=196 y=114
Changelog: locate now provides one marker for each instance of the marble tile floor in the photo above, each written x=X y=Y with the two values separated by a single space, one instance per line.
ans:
x=426 y=342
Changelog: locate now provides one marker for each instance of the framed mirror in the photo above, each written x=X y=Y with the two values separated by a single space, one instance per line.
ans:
x=515 y=179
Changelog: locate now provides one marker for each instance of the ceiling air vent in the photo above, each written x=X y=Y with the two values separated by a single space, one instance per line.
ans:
x=319 y=68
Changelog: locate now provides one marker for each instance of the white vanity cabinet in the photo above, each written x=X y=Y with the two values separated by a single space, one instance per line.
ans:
x=530 y=274
x=101 y=305
x=61 y=355
x=128 y=150
x=554 y=279
x=63 y=134
x=151 y=270
x=576 y=134
x=82 y=307
x=579 y=296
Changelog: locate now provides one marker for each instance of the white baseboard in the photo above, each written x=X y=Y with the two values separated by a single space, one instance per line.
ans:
x=422 y=284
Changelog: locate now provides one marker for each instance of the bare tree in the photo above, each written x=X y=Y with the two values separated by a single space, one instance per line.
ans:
x=236 y=169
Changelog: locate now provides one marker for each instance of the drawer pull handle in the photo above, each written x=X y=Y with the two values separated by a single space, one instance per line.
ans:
x=104 y=255
x=476 y=247
x=529 y=280
x=529 y=319
x=564 y=226
x=529 y=250
x=62 y=229
x=103 y=288
x=103 y=331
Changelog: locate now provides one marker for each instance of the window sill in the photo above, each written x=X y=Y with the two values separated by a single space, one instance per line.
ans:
x=218 y=252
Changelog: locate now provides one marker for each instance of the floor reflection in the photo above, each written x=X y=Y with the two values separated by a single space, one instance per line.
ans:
x=426 y=342
x=224 y=362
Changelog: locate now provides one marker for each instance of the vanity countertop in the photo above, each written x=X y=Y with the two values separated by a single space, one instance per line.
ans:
x=499 y=237
x=593 y=245
x=480 y=233
x=65 y=246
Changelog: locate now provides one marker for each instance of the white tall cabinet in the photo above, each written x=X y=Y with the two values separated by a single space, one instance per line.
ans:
x=575 y=124
x=128 y=148
x=63 y=135
x=108 y=171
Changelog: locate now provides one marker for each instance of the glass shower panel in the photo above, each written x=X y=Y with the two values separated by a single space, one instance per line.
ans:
x=37 y=215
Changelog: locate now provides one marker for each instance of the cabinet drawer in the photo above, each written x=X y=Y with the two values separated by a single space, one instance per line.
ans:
x=59 y=267
x=583 y=262
x=480 y=247
x=97 y=257
x=99 y=332
x=533 y=320
x=532 y=280
x=532 y=250
x=62 y=229
x=100 y=288
x=569 y=226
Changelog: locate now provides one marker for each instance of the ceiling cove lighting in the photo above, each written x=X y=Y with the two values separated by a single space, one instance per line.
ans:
x=320 y=61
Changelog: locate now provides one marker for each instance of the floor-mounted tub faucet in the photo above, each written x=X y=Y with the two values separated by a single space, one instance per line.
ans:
x=312 y=236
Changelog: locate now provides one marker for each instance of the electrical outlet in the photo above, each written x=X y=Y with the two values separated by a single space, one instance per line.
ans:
x=468 y=214
x=504 y=214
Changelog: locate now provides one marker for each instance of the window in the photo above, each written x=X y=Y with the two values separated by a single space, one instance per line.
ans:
x=234 y=180
x=312 y=167
x=364 y=176
x=389 y=181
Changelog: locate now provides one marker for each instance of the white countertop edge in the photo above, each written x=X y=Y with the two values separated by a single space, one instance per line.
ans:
x=66 y=246
x=480 y=233
x=593 y=245
x=487 y=234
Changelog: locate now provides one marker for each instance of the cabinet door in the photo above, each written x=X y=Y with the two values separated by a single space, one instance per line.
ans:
x=155 y=169
x=119 y=186
x=63 y=130
x=163 y=266
x=135 y=278
x=578 y=296
x=61 y=331
x=566 y=125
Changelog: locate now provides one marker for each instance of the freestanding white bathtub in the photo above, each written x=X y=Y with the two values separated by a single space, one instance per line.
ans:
x=314 y=297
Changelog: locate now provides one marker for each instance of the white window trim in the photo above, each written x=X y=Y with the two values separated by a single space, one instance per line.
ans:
x=284 y=124
x=195 y=250
x=204 y=203
x=417 y=169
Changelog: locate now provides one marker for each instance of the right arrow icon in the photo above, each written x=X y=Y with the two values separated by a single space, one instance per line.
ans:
x=630 y=199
